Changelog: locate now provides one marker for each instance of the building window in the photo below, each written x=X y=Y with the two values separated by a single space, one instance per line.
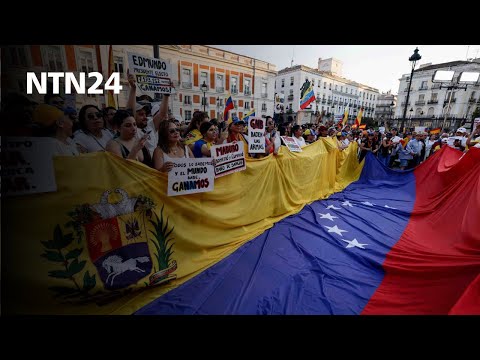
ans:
x=291 y=91
x=203 y=78
x=319 y=82
x=118 y=64
x=85 y=61
x=233 y=85
x=235 y=104
x=264 y=107
x=330 y=86
x=325 y=85
x=246 y=106
x=53 y=58
x=351 y=91
x=341 y=89
x=186 y=78
x=220 y=102
x=336 y=87
x=188 y=115
x=283 y=82
x=247 y=87
x=187 y=100
x=204 y=101
x=219 y=84
x=313 y=82
x=16 y=56
x=291 y=81
x=264 y=90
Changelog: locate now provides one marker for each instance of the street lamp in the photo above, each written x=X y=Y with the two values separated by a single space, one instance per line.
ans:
x=204 y=89
x=218 y=107
x=414 y=58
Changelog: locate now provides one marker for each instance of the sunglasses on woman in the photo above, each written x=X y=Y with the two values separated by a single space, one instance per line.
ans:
x=172 y=131
x=96 y=115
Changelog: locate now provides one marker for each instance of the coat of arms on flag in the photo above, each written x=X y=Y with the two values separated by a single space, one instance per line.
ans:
x=118 y=245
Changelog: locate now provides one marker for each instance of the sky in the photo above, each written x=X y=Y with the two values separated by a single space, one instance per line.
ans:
x=378 y=66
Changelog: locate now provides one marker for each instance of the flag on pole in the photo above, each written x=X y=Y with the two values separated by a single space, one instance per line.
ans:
x=345 y=116
x=228 y=106
x=111 y=67
x=307 y=98
x=358 y=120
x=248 y=115
x=435 y=131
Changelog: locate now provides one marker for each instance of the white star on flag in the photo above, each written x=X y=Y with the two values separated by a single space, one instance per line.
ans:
x=347 y=203
x=367 y=203
x=389 y=207
x=327 y=216
x=354 y=243
x=335 y=229
x=332 y=207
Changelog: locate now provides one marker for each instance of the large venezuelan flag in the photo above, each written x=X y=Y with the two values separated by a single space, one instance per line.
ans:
x=297 y=233
x=390 y=243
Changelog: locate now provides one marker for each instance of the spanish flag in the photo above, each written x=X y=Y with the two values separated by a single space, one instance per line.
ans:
x=435 y=131
x=345 y=116
x=358 y=120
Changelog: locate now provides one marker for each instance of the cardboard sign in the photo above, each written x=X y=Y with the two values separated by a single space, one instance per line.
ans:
x=256 y=135
x=228 y=158
x=152 y=75
x=190 y=176
x=27 y=165
x=291 y=143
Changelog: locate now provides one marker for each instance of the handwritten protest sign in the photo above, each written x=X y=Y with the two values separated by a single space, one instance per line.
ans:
x=291 y=143
x=229 y=158
x=256 y=135
x=27 y=165
x=190 y=176
x=152 y=75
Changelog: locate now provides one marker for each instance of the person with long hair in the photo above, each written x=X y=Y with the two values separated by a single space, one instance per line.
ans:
x=209 y=132
x=91 y=136
x=169 y=146
x=193 y=133
x=126 y=144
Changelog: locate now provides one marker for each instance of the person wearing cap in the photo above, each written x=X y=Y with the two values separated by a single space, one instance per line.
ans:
x=91 y=137
x=462 y=135
x=308 y=137
x=235 y=133
x=55 y=123
x=323 y=131
x=146 y=126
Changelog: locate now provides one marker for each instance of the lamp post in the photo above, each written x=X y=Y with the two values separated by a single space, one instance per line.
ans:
x=411 y=114
x=414 y=58
x=218 y=108
x=204 y=89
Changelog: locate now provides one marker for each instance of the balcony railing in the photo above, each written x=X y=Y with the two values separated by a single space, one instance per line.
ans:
x=264 y=109
x=247 y=93
x=436 y=86
x=234 y=90
x=290 y=97
x=432 y=102
x=324 y=101
x=420 y=103
x=445 y=102
x=329 y=102
x=423 y=88
x=403 y=104
x=220 y=89
x=186 y=85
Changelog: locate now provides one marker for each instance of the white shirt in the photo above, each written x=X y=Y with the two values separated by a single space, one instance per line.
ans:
x=301 y=141
x=68 y=149
x=91 y=142
x=152 y=140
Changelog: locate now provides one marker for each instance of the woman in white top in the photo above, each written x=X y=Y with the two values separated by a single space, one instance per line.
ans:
x=169 y=146
x=92 y=136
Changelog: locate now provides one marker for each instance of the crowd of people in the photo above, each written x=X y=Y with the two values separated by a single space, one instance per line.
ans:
x=147 y=133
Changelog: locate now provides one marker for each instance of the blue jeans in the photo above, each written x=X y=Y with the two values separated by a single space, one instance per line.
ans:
x=385 y=160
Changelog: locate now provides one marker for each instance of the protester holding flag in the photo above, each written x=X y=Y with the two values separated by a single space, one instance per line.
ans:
x=193 y=133
x=201 y=148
